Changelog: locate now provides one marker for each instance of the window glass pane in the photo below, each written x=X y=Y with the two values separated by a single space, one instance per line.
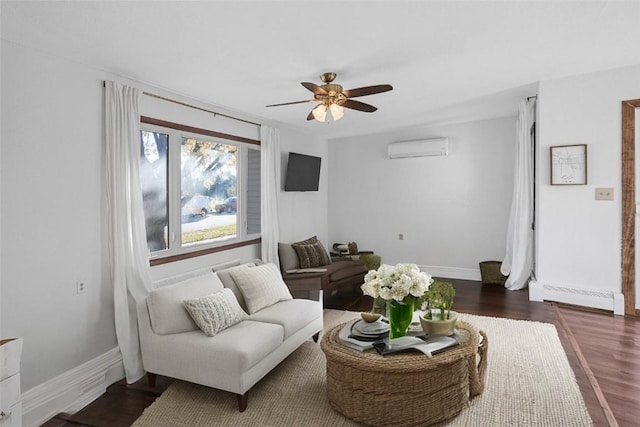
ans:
x=253 y=191
x=153 y=180
x=208 y=191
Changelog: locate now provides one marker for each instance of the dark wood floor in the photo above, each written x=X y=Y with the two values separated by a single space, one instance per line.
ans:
x=603 y=350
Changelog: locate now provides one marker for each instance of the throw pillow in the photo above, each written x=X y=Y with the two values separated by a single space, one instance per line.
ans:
x=261 y=286
x=216 y=312
x=312 y=255
x=308 y=241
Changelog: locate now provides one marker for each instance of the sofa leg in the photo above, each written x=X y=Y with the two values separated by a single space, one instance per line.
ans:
x=151 y=379
x=242 y=401
x=316 y=336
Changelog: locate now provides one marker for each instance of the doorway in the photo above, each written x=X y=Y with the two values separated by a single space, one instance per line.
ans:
x=628 y=266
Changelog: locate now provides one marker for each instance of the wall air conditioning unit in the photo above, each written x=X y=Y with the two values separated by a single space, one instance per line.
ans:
x=420 y=148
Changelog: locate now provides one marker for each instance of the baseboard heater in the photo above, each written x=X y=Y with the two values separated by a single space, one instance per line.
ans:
x=595 y=298
x=419 y=148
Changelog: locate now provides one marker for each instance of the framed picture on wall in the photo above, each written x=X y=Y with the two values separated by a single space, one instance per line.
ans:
x=569 y=164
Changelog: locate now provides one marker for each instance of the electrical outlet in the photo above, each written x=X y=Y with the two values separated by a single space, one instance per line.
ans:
x=604 y=193
x=400 y=236
x=81 y=286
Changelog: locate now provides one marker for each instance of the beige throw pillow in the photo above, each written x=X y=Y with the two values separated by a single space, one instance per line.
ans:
x=261 y=286
x=216 y=312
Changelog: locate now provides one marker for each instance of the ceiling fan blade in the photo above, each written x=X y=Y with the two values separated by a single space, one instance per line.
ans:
x=317 y=90
x=310 y=116
x=360 y=106
x=291 y=103
x=368 y=90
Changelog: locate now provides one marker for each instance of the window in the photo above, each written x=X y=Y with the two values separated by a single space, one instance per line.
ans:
x=201 y=189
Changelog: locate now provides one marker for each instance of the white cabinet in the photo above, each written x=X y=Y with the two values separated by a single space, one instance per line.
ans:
x=10 y=403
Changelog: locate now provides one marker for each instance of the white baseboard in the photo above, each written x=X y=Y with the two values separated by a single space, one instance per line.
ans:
x=594 y=298
x=72 y=390
x=452 y=272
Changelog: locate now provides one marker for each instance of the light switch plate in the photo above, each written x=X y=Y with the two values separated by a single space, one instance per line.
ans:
x=604 y=193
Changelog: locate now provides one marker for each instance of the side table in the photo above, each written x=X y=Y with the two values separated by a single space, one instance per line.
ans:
x=10 y=397
x=405 y=389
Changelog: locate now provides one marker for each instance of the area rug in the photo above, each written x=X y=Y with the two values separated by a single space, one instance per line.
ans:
x=528 y=383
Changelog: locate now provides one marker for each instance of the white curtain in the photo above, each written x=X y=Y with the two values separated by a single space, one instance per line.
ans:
x=270 y=179
x=518 y=261
x=128 y=252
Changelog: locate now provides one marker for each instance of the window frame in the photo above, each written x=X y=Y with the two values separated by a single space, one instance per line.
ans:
x=176 y=132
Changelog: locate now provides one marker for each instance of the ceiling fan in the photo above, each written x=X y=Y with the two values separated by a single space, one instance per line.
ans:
x=333 y=98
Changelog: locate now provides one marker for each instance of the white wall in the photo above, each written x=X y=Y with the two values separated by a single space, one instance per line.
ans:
x=453 y=210
x=52 y=221
x=579 y=237
x=303 y=214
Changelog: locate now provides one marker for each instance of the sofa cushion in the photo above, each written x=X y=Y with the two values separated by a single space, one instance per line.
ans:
x=311 y=255
x=261 y=286
x=166 y=312
x=292 y=315
x=232 y=351
x=216 y=312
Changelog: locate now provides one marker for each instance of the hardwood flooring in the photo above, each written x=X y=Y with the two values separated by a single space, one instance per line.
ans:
x=603 y=351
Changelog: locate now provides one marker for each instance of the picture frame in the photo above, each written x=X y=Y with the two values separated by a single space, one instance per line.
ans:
x=568 y=164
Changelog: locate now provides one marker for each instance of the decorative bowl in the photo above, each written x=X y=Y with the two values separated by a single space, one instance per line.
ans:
x=370 y=317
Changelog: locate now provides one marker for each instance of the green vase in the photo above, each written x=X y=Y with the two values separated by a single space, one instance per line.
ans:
x=400 y=315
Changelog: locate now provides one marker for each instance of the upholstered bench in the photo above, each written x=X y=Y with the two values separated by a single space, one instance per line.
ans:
x=327 y=274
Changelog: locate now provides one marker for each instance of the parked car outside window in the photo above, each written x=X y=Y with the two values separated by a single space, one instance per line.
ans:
x=197 y=205
x=229 y=205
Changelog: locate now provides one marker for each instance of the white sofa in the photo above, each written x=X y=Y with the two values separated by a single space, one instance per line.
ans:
x=234 y=359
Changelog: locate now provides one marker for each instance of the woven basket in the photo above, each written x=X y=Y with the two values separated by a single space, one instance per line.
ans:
x=490 y=273
x=405 y=389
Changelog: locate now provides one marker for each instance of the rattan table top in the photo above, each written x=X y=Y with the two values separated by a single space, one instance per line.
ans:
x=468 y=335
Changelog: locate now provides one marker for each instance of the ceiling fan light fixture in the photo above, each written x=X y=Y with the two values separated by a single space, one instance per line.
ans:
x=331 y=96
x=337 y=111
x=320 y=112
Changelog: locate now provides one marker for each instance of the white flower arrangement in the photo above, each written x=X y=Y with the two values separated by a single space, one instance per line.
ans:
x=396 y=282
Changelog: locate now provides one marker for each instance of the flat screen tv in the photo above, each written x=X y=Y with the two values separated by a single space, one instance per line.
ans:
x=303 y=173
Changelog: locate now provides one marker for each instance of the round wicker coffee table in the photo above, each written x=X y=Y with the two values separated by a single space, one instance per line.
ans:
x=404 y=389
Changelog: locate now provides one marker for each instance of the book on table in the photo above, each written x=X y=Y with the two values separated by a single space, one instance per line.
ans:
x=362 y=336
x=428 y=345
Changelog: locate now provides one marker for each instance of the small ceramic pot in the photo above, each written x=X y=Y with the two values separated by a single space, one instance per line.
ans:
x=439 y=327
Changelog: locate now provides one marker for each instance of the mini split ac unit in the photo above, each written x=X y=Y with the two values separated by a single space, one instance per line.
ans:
x=421 y=148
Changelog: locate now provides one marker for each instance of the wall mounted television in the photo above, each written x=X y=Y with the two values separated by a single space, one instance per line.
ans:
x=303 y=173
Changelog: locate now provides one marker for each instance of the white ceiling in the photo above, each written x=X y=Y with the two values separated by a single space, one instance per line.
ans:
x=447 y=60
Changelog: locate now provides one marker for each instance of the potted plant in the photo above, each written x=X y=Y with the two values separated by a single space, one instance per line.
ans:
x=438 y=318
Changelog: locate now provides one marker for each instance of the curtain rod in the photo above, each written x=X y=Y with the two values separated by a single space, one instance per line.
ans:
x=532 y=97
x=215 y=113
